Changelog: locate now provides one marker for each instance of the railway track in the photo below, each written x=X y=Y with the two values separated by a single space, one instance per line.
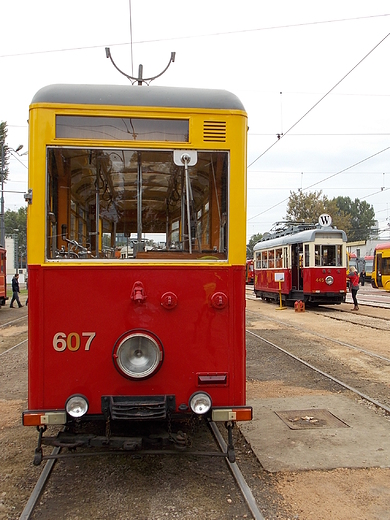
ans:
x=28 y=512
x=328 y=338
x=9 y=323
x=367 y=296
x=380 y=405
x=360 y=366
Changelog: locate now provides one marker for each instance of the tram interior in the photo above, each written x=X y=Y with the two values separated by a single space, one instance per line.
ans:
x=134 y=204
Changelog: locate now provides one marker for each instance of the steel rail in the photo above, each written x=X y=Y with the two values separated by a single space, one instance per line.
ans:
x=9 y=349
x=322 y=336
x=245 y=490
x=39 y=487
x=341 y=383
x=9 y=323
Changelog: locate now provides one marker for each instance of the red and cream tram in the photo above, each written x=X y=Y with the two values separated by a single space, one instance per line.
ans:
x=157 y=332
x=306 y=263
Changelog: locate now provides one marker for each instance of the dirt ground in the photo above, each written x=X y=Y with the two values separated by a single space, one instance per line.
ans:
x=341 y=494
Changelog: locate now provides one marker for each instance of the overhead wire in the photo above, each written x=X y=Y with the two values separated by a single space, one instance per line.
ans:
x=281 y=136
x=319 y=182
x=195 y=36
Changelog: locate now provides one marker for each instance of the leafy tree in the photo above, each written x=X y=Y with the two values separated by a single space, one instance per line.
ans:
x=307 y=207
x=362 y=216
x=4 y=154
x=252 y=242
x=15 y=223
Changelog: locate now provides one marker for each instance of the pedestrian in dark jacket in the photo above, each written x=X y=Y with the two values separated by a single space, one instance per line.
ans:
x=354 y=286
x=362 y=277
x=15 y=291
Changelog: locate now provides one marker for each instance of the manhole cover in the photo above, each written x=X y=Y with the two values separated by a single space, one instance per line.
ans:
x=310 y=419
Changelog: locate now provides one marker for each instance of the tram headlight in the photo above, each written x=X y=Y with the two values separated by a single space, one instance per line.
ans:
x=138 y=355
x=77 y=406
x=200 y=403
x=329 y=280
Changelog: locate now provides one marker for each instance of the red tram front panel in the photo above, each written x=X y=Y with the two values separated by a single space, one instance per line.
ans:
x=196 y=313
x=315 y=280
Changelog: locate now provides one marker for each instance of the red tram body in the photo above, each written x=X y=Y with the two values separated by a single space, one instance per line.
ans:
x=158 y=332
x=3 y=276
x=307 y=265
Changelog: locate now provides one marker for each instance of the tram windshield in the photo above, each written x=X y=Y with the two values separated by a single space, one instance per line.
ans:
x=328 y=255
x=135 y=204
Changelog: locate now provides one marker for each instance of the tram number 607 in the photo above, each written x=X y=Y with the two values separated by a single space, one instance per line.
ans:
x=72 y=341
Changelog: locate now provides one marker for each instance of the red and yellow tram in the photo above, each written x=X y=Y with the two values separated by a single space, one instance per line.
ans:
x=156 y=332
x=3 y=276
x=380 y=276
x=303 y=263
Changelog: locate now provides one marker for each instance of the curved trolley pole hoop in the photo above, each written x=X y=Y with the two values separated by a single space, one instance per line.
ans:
x=140 y=79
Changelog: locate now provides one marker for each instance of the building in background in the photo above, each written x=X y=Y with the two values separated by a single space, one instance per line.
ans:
x=13 y=260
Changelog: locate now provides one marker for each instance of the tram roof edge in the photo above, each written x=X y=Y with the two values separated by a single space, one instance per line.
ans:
x=127 y=95
x=302 y=236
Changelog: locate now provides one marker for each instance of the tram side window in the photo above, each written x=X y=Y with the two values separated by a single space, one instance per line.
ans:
x=258 y=260
x=285 y=257
x=317 y=255
x=278 y=258
x=271 y=259
x=385 y=266
x=264 y=261
x=135 y=204
x=307 y=256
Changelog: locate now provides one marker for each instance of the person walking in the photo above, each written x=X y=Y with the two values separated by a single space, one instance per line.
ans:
x=15 y=292
x=354 y=286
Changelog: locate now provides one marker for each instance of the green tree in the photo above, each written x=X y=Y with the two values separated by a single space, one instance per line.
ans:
x=307 y=207
x=4 y=153
x=362 y=216
x=15 y=223
x=252 y=242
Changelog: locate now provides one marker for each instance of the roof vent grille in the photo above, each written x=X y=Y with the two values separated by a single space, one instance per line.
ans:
x=214 y=131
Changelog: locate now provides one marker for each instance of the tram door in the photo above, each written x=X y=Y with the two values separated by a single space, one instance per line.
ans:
x=378 y=270
x=297 y=265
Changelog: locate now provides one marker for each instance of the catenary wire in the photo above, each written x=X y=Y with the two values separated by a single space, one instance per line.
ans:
x=319 y=182
x=281 y=136
x=186 y=37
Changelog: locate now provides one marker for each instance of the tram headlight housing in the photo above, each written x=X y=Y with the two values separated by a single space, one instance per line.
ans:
x=138 y=355
x=200 y=403
x=329 y=280
x=77 y=406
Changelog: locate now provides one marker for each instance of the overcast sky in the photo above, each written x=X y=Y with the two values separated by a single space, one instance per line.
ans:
x=279 y=57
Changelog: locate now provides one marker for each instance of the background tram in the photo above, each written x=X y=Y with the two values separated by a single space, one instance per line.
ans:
x=159 y=332
x=380 y=276
x=3 y=276
x=368 y=267
x=311 y=263
x=249 y=272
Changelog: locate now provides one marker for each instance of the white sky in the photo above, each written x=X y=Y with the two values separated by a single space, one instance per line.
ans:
x=279 y=57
